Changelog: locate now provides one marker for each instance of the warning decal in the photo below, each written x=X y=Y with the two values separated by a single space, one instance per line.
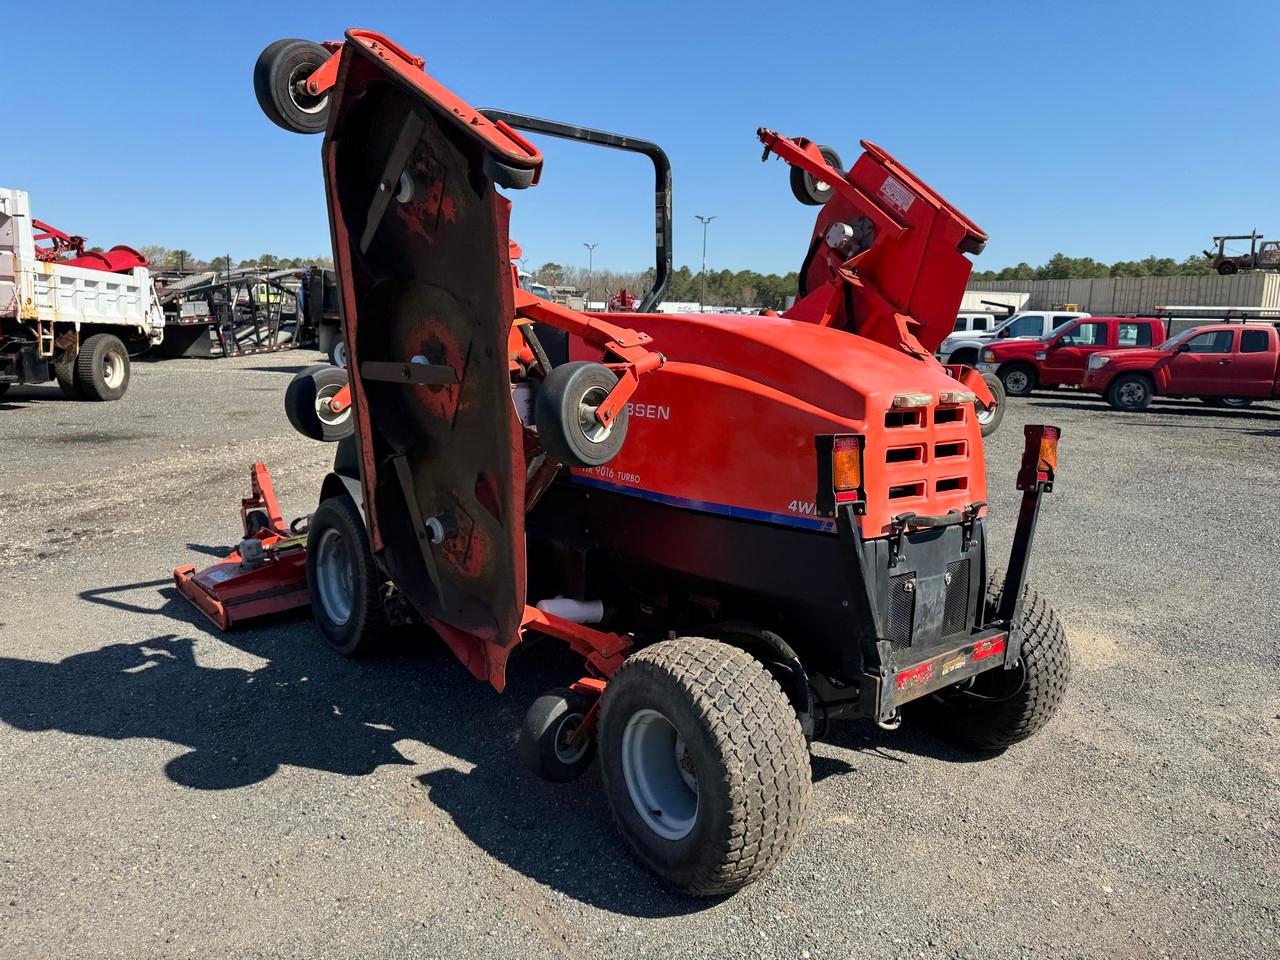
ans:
x=897 y=195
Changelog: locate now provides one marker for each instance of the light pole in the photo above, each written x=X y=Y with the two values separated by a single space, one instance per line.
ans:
x=591 y=250
x=702 y=297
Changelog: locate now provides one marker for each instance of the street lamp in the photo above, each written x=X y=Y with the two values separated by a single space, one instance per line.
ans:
x=591 y=249
x=702 y=297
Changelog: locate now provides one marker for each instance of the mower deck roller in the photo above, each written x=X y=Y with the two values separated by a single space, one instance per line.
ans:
x=772 y=523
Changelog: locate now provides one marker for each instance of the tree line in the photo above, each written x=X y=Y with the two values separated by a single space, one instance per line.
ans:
x=163 y=258
x=725 y=288
x=1062 y=267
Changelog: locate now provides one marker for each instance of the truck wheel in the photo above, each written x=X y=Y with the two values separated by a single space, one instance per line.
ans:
x=1130 y=392
x=546 y=736
x=807 y=188
x=1235 y=403
x=343 y=579
x=989 y=417
x=277 y=82
x=1019 y=379
x=307 y=403
x=565 y=413
x=102 y=368
x=1003 y=707
x=1227 y=267
x=705 y=766
x=4 y=388
x=64 y=371
x=338 y=352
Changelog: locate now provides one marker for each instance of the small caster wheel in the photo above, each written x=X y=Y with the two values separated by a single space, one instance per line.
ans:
x=547 y=737
x=278 y=79
x=565 y=413
x=308 y=403
x=807 y=188
x=255 y=521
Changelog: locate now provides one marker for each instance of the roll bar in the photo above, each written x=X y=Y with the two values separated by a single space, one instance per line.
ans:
x=616 y=141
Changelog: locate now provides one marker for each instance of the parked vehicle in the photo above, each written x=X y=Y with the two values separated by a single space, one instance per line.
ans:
x=967 y=347
x=1261 y=256
x=1223 y=364
x=68 y=314
x=1059 y=360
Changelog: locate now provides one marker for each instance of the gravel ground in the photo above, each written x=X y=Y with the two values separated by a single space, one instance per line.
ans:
x=171 y=791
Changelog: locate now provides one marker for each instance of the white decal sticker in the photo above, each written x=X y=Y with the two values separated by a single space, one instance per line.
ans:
x=898 y=195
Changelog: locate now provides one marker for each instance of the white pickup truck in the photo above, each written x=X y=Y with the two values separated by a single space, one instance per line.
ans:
x=965 y=346
x=74 y=319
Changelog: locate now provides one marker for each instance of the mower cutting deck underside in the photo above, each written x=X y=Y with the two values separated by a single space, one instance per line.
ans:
x=771 y=523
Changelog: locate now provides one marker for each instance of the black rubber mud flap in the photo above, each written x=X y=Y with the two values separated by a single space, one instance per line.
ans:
x=420 y=245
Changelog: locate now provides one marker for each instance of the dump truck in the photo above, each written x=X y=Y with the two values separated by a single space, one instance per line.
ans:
x=70 y=314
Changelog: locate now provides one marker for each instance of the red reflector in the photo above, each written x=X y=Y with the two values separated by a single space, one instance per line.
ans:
x=988 y=648
x=915 y=676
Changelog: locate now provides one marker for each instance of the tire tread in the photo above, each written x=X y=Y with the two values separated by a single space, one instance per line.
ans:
x=765 y=773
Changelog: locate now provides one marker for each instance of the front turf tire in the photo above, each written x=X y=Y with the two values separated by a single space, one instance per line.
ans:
x=1003 y=707
x=703 y=717
x=343 y=579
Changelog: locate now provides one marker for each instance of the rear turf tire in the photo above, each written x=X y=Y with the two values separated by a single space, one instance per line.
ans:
x=1003 y=707
x=705 y=765
x=343 y=579
x=102 y=368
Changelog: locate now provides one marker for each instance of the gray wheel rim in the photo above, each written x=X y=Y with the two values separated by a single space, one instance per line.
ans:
x=659 y=774
x=1132 y=393
x=985 y=413
x=592 y=429
x=324 y=405
x=340 y=353
x=112 y=369
x=334 y=577
x=1017 y=382
x=298 y=89
x=566 y=753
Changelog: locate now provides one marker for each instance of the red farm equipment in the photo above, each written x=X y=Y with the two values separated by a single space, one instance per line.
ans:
x=748 y=526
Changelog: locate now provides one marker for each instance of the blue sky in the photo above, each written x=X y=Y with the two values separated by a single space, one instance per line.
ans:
x=1098 y=129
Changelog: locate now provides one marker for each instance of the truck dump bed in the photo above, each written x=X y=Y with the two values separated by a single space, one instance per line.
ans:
x=39 y=294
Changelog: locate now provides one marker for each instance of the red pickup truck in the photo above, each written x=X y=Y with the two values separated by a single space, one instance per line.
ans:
x=1224 y=364
x=1060 y=360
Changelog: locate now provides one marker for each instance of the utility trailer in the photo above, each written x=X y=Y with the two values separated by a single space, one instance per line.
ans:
x=240 y=311
x=68 y=314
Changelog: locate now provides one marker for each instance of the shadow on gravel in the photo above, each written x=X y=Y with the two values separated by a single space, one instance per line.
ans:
x=282 y=368
x=311 y=708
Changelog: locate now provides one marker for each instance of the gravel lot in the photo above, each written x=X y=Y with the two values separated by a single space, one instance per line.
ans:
x=170 y=791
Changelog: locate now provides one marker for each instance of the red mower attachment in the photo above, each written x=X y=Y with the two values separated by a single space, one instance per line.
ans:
x=265 y=574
